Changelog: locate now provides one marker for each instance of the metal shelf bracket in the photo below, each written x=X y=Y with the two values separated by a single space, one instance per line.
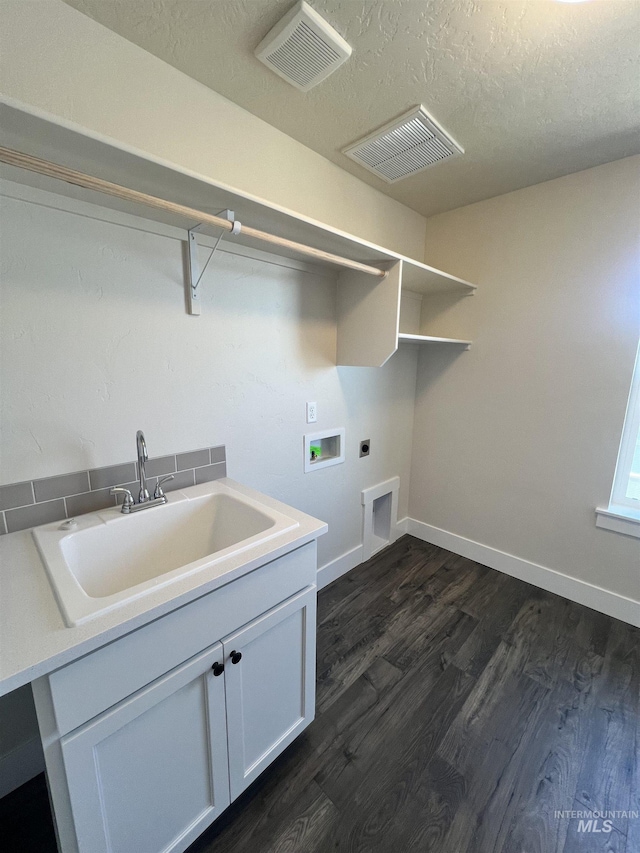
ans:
x=194 y=273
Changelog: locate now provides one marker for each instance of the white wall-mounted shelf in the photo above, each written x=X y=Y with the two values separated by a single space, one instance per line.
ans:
x=430 y=339
x=368 y=307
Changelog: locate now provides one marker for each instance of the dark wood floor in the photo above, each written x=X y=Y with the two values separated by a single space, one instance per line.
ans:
x=458 y=710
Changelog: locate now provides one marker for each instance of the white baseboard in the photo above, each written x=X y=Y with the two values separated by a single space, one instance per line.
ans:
x=21 y=764
x=602 y=600
x=402 y=527
x=340 y=566
x=350 y=559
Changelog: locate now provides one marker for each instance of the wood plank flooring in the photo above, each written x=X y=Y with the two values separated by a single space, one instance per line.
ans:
x=458 y=710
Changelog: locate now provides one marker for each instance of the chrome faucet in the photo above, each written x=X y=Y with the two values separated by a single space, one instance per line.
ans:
x=141 y=444
x=144 y=500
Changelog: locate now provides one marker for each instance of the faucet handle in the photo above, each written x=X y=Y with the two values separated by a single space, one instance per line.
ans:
x=128 y=501
x=158 y=491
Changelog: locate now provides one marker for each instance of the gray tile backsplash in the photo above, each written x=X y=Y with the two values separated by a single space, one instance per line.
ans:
x=181 y=480
x=218 y=454
x=211 y=472
x=103 y=478
x=66 y=495
x=89 y=502
x=160 y=465
x=16 y=494
x=31 y=516
x=60 y=487
x=193 y=459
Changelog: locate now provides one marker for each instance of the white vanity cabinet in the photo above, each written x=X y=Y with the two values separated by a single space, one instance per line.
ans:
x=154 y=768
x=151 y=774
x=271 y=690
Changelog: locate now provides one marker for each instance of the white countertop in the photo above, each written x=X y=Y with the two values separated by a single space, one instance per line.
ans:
x=34 y=638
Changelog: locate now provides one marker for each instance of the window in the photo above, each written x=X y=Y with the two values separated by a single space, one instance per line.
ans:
x=623 y=513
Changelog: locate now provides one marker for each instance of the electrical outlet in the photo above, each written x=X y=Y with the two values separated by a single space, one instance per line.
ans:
x=312 y=413
x=365 y=447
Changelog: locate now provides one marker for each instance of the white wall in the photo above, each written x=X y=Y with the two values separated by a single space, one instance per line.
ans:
x=96 y=343
x=240 y=375
x=515 y=441
x=57 y=61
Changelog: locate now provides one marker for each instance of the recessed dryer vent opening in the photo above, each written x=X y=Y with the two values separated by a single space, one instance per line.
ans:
x=382 y=521
x=380 y=516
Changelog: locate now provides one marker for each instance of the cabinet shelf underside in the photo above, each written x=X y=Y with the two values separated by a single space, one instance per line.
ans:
x=430 y=339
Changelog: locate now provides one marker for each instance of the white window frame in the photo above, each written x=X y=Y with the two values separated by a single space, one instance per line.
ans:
x=623 y=513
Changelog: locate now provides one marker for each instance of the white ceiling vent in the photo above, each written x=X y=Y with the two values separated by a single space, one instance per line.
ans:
x=405 y=146
x=302 y=48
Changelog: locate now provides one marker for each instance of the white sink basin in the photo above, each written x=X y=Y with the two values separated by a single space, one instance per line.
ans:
x=110 y=559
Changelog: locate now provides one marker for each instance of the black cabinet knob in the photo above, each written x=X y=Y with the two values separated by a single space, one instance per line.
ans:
x=218 y=668
x=236 y=657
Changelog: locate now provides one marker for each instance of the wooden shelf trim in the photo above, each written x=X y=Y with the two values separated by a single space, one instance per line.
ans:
x=79 y=179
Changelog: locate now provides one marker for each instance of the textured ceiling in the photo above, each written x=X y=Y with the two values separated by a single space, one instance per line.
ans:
x=532 y=90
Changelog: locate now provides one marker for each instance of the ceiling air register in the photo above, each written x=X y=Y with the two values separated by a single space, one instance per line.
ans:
x=411 y=143
x=303 y=48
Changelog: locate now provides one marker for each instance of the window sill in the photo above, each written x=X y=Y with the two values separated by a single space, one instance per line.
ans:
x=620 y=520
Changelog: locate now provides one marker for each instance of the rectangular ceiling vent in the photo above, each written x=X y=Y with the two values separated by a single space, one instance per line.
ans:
x=411 y=143
x=302 y=48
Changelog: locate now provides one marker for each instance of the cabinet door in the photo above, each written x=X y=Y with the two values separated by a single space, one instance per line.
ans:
x=270 y=686
x=150 y=774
